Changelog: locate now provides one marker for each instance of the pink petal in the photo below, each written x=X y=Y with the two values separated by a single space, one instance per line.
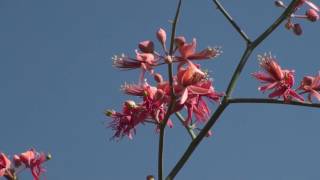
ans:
x=198 y=90
x=315 y=94
x=184 y=96
x=277 y=92
x=295 y=95
x=268 y=86
x=188 y=49
x=263 y=77
x=169 y=123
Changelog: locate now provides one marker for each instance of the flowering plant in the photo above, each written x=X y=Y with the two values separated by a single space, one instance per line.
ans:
x=190 y=88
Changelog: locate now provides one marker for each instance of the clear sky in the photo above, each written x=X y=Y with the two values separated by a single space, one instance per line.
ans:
x=56 y=79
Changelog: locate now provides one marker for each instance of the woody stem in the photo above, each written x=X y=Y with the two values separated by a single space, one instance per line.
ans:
x=271 y=101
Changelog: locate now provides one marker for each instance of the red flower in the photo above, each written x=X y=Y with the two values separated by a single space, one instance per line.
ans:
x=5 y=164
x=311 y=85
x=276 y=79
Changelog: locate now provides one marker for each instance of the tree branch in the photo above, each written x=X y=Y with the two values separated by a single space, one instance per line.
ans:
x=233 y=23
x=272 y=101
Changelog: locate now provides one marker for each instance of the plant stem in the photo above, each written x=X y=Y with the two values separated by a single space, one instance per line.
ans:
x=171 y=104
x=272 y=101
x=160 y=154
x=233 y=23
x=196 y=141
x=225 y=102
x=189 y=129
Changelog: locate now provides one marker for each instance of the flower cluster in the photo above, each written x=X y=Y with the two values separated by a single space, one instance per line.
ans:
x=281 y=81
x=311 y=14
x=190 y=86
x=30 y=159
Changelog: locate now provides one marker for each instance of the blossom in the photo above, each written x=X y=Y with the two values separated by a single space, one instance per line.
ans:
x=33 y=160
x=192 y=86
x=311 y=85
x=124 y=123
x=145 y=61
x=5 y=164
x=277 y=79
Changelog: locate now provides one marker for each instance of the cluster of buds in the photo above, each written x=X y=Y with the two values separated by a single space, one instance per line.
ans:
x=30 y=159
x=311 y=14
x=190 y=86
x=281 y=81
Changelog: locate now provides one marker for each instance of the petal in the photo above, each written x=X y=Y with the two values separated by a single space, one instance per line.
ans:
x=263 y=77
x=268 y=86
x=188 y=49
x=184 y=96
x=278 y=92
x=315 y=94
x=198 y=90
x=169 y=123
x=207 y=53
x=295 y=95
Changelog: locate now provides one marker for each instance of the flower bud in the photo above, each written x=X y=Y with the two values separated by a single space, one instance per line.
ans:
x=297 y=29
x=108 y=113
x=130 y=104
x=17 y=160
x=289 y=25
x=158 y=77
x=279 y=4
x=150 y=177
x=312 y=15
x=168 y=59
x=209 y=133
x=162 y=36
x=146 y=46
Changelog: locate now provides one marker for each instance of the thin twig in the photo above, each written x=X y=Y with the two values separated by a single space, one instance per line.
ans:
x=189 y=129
x=233 y=23
x=225 y=102
x=272 y=101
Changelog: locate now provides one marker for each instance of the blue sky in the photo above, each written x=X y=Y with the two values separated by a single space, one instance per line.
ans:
x=57 y=79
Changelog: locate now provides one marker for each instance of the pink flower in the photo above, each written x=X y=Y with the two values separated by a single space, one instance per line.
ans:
x=192 y=85
x=125 y=122
x=311 y=85
x=145 y=61
x=5 y=164
x=153 y=99
x=33 y=160
x=190 y=75
x=276 y=79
